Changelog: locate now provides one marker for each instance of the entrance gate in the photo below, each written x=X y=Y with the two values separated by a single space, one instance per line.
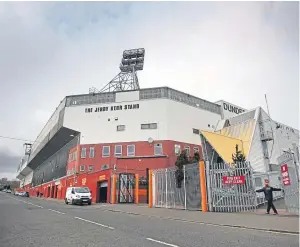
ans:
x=290 y=181
x=230 y=188
x=167 y=194
x=126 y=188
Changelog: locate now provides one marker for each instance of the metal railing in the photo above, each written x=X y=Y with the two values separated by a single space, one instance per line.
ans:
x=168 y=194
x=291 y=189
x=230 y=187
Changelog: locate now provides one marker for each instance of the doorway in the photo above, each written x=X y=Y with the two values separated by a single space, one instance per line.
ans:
x=102 y=191
x=126 y=188
x=52 y=192
x=56 y=189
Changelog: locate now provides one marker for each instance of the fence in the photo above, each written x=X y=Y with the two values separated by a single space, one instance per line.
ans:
x=167 y=194
x=290 y=180
x=230 y=187
x=275 y=181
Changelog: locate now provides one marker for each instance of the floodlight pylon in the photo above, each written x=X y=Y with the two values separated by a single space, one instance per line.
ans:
x=132 y=61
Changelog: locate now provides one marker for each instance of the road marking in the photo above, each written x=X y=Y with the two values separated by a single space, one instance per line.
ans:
x=161 y=242
x=92 y=222
x=55 y=211
x=25 y=202
x=34 y=204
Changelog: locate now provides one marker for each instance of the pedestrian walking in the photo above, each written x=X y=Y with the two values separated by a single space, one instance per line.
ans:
x=268 y=191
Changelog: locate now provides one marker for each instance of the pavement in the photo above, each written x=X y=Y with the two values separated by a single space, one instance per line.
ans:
x=38 y=222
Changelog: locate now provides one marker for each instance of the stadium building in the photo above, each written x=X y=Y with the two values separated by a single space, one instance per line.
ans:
x=125 y=129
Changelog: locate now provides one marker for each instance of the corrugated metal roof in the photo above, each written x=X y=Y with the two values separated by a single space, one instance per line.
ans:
x=242 y=131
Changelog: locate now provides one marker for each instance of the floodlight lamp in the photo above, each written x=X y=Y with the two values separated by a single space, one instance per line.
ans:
x=127 y=54
x=132 y=60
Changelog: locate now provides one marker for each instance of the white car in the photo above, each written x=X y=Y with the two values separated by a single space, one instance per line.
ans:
x=78 y=195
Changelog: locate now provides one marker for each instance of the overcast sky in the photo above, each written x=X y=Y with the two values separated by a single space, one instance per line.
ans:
x=234 y=51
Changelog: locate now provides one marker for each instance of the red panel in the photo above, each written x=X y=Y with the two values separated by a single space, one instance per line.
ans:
x=233 y=179
x=285 y=175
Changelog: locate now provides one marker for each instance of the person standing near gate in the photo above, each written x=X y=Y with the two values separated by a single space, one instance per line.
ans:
x=268 y=191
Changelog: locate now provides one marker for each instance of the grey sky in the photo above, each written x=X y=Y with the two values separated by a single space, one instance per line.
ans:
x=236 y=51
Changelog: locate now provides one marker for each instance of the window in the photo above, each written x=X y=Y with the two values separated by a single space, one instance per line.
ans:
x=131 y=150
x=105 y=151
x=104 y=167
x=120 y=127
x=149 y=126
x=196 y=150
x=196 y=131
x=118 y=150
x=83 y=152
x=158 y=149
x=91 y=168
x=82 y=168
x=92 y=152
x=187 y=150
x=177 y=149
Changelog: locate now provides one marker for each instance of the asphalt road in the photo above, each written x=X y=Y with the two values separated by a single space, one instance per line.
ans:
x=31 y=222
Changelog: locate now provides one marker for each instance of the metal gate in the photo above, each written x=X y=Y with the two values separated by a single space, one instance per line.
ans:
x=230 y=188
x=166 y=193
x=290 y=180
x=126 y=188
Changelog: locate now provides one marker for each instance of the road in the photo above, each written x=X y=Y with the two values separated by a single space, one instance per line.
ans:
x=31 y=222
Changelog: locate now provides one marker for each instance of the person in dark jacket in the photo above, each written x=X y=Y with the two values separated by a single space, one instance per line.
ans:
x=268 y=191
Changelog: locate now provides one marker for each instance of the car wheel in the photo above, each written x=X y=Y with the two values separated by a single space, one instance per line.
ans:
x=66 y=201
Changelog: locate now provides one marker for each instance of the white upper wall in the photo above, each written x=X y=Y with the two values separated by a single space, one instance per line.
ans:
x=284 y=137
x=175 y=121
x=229 y=110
